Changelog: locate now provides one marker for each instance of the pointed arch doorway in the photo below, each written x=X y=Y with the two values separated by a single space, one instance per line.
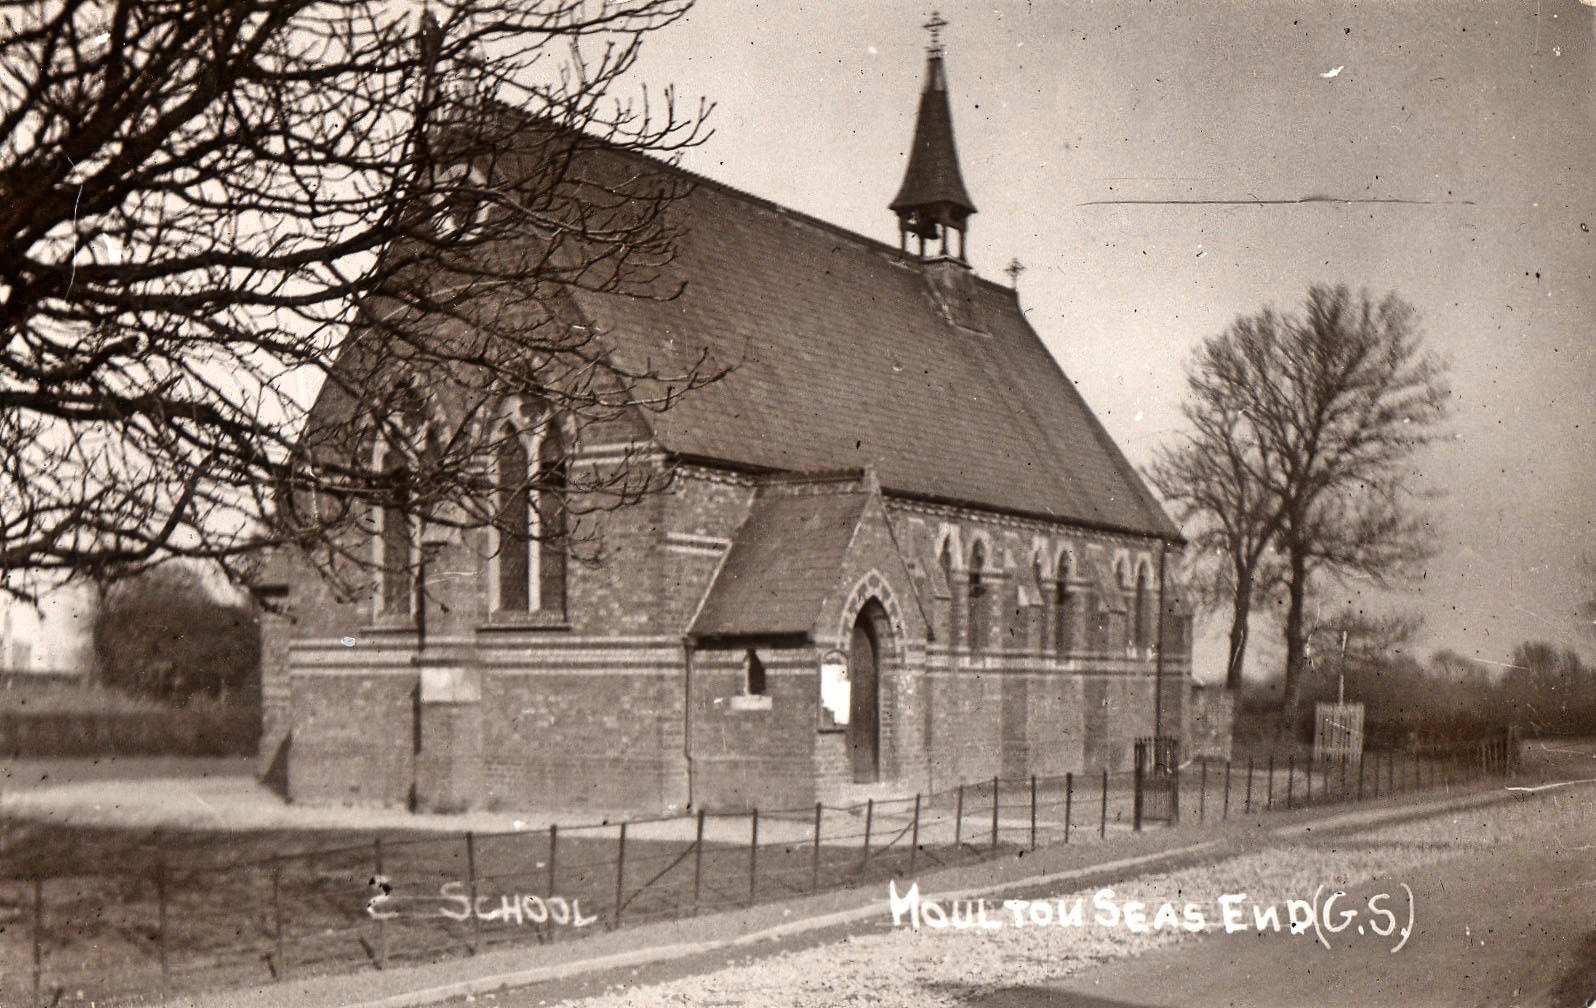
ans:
x=864 y=693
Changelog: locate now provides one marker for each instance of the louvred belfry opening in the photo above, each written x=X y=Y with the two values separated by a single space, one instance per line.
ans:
x=932 y=200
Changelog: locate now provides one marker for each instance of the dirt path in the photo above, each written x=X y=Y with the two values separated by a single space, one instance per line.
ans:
x=1503 y=914
x=1507 y=925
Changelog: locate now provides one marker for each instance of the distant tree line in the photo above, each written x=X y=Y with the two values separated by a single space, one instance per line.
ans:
x=1543 y=691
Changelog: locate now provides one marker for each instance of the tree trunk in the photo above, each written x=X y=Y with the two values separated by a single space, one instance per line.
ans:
x=1296 y=592
x=1240 y=610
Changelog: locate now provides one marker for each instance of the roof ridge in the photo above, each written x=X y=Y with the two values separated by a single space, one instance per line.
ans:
x=886 y=249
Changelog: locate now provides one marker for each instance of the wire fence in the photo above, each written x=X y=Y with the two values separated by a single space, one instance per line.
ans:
x=157 y=929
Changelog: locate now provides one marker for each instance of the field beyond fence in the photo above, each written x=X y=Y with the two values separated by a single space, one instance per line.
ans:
x=159 y=923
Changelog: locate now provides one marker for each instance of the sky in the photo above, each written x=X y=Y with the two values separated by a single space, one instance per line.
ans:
x=1479 y=120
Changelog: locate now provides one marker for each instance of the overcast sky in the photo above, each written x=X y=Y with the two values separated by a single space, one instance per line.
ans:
x=1482 y=115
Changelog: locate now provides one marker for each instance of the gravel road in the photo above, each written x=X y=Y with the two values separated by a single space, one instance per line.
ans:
x=944 y=966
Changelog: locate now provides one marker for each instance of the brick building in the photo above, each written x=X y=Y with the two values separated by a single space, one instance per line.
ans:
x=899 y=552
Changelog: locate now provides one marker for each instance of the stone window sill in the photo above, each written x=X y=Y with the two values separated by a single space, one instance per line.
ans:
x=525 y=621
x=744 y=702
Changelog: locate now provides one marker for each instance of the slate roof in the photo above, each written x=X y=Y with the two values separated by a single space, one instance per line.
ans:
x=849 y=355
x=783 y=562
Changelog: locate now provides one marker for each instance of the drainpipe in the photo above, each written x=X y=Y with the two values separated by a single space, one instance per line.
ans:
x=687 y=714
x=1158 y=659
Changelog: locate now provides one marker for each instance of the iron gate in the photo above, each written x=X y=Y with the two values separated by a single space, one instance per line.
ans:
x=1157 y=780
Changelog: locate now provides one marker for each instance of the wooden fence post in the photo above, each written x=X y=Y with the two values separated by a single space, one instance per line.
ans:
x=870 y=818
x=1102 y=826
x=995 y=786
x=698 y=860
x=549 y=881
x=753 y=853
x=814 y=857
x=1033 y=812
x=958 y=821
x=382 y=924
x=1069 y=800
x=914 y=837
x=277 y=920
x=471 y=887
x=620 y=877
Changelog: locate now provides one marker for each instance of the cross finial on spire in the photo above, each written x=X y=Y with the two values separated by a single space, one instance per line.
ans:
x=1014 y=269
x=935 y=26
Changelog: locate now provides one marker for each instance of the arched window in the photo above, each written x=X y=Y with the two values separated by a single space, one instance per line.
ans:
x=1061 y=607
x=553 y=468
x=976 y=597
x=395 y=538
x=945 y=564
x=515 y=526
x=1139 y=613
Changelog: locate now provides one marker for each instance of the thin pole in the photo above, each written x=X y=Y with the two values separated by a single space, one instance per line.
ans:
x=620 y=877
x=1291 y=777
x=548 y=884
x=1269 y=794
x=1174 y=789
x=277 y=920
x=958 y=820
x=1360 y=775
x=1138 y=786
x=471 y=886
x=870 y=818
x=914 y=838
x=1248 y=806
x=994 y=812
x=753 y=852
x=1202 y=793
x=1102 y=826
x=698 y=860
x=1033 y=812
x=1225 y=814
x=814 y=856
x=1069 y=800
x=382 y=924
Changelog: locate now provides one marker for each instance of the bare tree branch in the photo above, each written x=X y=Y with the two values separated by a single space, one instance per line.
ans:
x=214 y=216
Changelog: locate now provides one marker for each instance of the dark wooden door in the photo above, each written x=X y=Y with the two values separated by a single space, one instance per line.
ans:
x=864 y=719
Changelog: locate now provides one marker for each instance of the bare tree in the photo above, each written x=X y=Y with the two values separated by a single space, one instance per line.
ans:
x=1355 y=397
x=213 y=213
x=1302 y=426
x=1218 y=478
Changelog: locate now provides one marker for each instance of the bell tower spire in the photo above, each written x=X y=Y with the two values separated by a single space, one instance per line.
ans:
x=932 y=200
